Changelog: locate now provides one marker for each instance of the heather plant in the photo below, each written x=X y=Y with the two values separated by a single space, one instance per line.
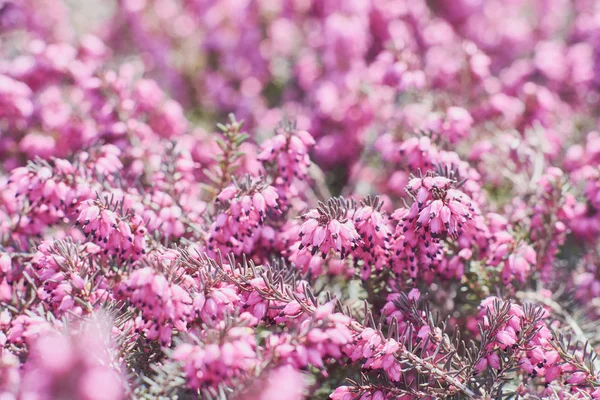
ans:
x=354 y=200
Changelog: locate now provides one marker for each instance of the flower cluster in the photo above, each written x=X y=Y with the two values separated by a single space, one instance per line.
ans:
x=326 y=335
x=244 y=210
x=438 y=208
x=223 y=354
x=122 y=236
x=163 y=305
x=289 y=152
x=371 y=225
x=523 y=333
x=84 y=361
x=326 y=230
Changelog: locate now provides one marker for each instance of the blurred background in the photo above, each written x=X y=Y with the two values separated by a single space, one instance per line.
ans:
x=346 y=70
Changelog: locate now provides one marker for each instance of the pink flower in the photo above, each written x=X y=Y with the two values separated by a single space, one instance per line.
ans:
x=328 y=229
x=341 y=393
x=83 y=361
x=577 y=378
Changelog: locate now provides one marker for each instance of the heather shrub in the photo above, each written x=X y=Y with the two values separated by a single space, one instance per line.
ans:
x=299 y=199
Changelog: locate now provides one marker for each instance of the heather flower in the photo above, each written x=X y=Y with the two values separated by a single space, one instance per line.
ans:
x=118 y=235
x=519 y=264
x=25 y=329
x=525 y=333
x=438 y=211
x=368 y=393
x=371 y=225
x=289 y=151
x=457 y=124
x=82 y=362
x=327 y=229
x=285 y=383
x=412 y=250
x=216 y=301
x=242 y=215
x=10 y=376
x=326 y=334
x=438 y=208
x=517 y=258
x=16 y=102
x=379 y=353
x=45 y=193
x=221 y=354
x=64 y=278
x=163 y=305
